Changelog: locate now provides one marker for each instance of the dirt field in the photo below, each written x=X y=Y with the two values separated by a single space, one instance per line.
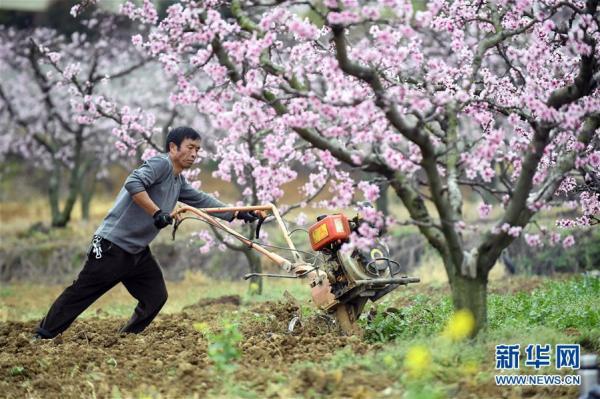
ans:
x=170 y=359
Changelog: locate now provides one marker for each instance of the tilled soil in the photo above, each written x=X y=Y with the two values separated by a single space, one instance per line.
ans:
x=169 y=359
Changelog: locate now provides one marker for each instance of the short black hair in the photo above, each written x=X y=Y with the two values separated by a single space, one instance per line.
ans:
x=179 y=134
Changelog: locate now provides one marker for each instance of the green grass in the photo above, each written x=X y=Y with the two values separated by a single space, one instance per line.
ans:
x=425 y=316
x=574 y=303
x=558 y=312
x=561 y=305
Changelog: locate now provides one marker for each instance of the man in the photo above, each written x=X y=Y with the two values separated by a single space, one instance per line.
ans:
x=119 y=251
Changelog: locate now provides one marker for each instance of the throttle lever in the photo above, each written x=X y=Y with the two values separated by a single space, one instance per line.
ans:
x=260 y=222
x=175 y=226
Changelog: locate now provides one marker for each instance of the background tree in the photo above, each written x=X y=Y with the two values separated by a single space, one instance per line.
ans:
x=42 y=119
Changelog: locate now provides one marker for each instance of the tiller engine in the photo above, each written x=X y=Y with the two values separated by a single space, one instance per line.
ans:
x=341 y=282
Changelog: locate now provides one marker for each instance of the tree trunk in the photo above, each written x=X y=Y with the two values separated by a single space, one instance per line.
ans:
x=256 y=283
x=87 y=192
x=86 y=200
x=54 y=193
x=77 y=173
x=63 y=217
x=74 y=190
x=471 y=294
x=382 y=203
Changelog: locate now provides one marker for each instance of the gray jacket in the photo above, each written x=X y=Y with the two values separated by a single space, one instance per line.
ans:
x=129 y=226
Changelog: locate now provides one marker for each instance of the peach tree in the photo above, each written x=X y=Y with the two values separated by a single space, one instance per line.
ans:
x=435 y=98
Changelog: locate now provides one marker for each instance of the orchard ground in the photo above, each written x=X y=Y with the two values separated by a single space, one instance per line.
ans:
x=176 y=357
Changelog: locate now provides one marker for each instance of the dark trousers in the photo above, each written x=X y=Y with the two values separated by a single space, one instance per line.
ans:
x=140 y=273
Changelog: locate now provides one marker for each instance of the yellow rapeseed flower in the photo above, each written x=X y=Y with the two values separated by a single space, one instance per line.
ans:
x=254 y=288
x=460 y=325
x=201 y=327
x=417 y=360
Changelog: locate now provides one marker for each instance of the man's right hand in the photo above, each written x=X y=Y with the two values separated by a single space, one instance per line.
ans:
x=162 y=219
x=247 y=216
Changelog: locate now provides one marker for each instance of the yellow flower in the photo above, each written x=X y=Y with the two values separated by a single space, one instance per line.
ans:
x=254 y=288
x=460 y=325
x=201 y=327
x=417 y=360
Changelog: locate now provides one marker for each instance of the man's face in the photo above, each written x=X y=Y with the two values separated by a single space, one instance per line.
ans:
x=187 y=152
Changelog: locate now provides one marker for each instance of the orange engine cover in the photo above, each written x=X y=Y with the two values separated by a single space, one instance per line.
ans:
x=330 y=228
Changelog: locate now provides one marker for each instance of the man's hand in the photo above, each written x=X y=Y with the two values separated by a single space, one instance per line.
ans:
x=162 y=219
x=246 y=216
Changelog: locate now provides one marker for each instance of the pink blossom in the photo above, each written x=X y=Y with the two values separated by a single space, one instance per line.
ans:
x=149 y=153
x=533 y=240
x=594 y=159
x=137 y=40
x=567 y=185
x=127 y=8
x=147 y=13
x=343 y=192
x=75 y=10
x=328 y=160
x=554 y=238
x=487 y=174
x=72 y=70
x=484 y=210
x=316 y=181
x=54 y=57
x=349 y=3
x=590 y=203
x=121 y=147
x=370 y=12
x=515 y=231
x=568 y=242
x=303 y=29
x=564 y=223
x=357 y=242
x=370 y=191
x=356 y=158
x=342 y=18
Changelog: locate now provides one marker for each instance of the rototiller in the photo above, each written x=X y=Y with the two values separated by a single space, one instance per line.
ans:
x=341 y=283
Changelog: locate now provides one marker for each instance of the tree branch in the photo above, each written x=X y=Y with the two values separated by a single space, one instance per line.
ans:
x=517 y=213
x=414 y=134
